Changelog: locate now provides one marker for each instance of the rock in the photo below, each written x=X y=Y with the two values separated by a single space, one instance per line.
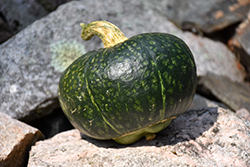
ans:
x=206 y=16
x=233 y=94
x=52 y=124
x=200 y=102
x=33 y=60
x=51 y=5
x=210 y=56
x=244 y=114
x=5 y=32
x=240 y=43
x=16 y=139
x=207 y=137
x=20 y=14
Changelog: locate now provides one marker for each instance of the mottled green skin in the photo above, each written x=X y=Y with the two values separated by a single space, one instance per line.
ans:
x=118 y=90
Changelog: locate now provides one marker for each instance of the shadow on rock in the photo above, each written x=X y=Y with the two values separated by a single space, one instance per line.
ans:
x=188 y=126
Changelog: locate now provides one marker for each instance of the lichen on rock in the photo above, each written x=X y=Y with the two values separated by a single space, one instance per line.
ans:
x=64 y=52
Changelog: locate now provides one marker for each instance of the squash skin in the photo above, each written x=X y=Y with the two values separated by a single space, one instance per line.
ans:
x=114 y=91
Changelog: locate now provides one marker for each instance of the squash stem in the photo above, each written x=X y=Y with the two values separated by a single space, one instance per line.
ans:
x=108 y=32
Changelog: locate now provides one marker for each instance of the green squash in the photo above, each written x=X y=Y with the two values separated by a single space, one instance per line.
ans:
x=130 y=88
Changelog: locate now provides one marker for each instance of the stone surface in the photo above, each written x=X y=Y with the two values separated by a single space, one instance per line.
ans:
x=5 y=32
x=52 y=124
x=234 y=94
x=243 y=113
x=200 y=102
x=206 y=16
x=16 y=15
x=32 y=61
x=51 y=5
x=20 y=14
x=16 y=139
x=240 y=43
x=207 y=137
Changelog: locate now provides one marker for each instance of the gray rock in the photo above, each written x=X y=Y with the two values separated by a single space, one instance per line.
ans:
x=234 y=94
x=51 y=5
x=200 y=102
x=20 y=14
x=5 y=32
x=240 y=43
x=52 y=124
x=206 y=16
x=16 y=139
x=207 y=137
x=33 y=60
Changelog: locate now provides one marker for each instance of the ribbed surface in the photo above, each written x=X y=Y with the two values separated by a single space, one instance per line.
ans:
x=116 y=90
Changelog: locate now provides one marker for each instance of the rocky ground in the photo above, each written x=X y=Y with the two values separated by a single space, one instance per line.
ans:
x=39 y=39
